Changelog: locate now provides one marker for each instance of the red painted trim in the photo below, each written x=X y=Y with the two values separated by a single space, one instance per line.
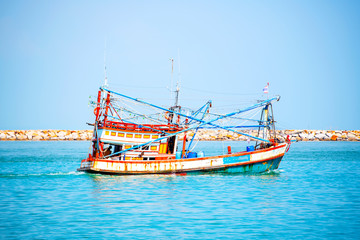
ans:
x=111 y=125
x=133 y=131
x=107 y=106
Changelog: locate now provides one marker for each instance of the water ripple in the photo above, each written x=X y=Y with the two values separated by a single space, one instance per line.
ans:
x=314 y=194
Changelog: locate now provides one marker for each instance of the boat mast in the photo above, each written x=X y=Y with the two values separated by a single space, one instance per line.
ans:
x=268 y=123
x=178 y=84
x=176 y=108
x=266 y=130
x=177 y=95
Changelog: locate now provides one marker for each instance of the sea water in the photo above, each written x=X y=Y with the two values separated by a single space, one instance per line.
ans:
x=315 y=193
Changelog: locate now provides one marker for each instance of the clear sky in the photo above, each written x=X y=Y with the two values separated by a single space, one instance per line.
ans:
x=52 y=57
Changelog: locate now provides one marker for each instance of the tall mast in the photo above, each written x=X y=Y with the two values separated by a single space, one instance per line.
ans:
x=176 y=107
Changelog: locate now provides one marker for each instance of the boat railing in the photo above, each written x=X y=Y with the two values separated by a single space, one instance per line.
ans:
x=139 y=127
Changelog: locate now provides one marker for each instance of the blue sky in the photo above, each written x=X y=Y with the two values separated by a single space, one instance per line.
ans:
x=52 y=58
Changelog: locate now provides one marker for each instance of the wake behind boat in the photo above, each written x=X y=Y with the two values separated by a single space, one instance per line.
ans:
x=138 y=141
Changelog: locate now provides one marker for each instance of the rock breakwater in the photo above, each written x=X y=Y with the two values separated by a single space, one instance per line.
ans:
x=202 y=135
x=298 y=135
x=45 y=135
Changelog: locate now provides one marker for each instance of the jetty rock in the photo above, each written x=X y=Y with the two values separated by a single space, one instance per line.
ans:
x=201 y=135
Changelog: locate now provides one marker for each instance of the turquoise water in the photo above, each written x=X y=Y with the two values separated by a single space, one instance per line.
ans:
x=314 y=194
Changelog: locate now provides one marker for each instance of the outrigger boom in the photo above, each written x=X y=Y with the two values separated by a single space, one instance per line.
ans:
x=151 y=148
x=203 y=122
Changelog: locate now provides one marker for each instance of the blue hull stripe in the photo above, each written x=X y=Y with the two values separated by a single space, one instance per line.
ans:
x=257 y=167
x=237 y=159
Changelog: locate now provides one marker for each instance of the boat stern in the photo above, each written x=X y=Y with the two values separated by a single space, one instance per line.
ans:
x=86 y=164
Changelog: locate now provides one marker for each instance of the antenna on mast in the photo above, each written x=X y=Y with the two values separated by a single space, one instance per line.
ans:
x=178 y=83
x=172 y=73
x=105 y=80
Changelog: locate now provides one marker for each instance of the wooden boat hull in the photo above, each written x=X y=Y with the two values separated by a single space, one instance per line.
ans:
x=243 y=162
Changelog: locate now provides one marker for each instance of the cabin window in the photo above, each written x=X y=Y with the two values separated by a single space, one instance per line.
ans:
x=107 y=149
x=113 y=133
x=136 y=147
x=154 y=148
x=129 y=135
x=127 y=146
x=146 y=136
x=106 y=132
x=171 y=145
x=117 y=148
x=120 y=134
x=137 y=135
x=154 y=136
x=145 y=147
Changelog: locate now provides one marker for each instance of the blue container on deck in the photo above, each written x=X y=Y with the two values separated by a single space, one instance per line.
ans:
x=192 y=155
x=250 y=148
x=178 y=155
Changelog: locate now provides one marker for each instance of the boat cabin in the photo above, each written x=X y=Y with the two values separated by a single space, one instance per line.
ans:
x=117 y=136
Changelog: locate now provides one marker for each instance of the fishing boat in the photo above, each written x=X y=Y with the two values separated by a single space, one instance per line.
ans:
x=128 y=141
